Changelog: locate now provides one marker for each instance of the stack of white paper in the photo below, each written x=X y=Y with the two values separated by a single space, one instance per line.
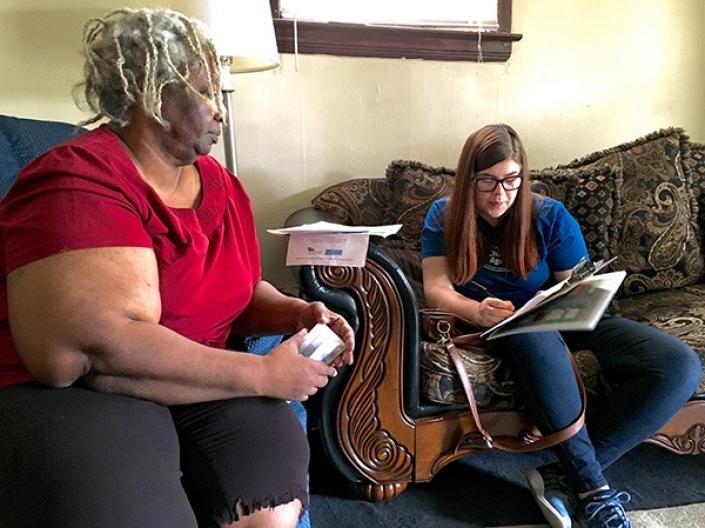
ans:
x=328 y=244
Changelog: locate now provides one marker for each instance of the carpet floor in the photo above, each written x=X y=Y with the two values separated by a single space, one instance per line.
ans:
x=488 y=490
x=691 y=516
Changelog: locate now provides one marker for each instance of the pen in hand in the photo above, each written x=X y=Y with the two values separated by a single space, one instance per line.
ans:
x=481 y=288
x=490 y=310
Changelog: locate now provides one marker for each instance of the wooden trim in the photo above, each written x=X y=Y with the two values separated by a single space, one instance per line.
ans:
x=504 y=16
x=684 y=434
x=377 y=442
x=358 y=40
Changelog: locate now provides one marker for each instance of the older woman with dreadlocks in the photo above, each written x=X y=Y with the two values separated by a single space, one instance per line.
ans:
x=129 y=260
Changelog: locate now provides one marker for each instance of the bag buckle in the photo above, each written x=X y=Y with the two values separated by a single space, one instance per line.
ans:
x=443 y=328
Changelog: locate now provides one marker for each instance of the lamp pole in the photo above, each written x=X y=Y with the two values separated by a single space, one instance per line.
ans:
x=227 y=89
x=243 y=33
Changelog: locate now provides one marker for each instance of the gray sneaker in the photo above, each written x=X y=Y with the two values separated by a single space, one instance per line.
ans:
x=604 y=509
x=554 y=494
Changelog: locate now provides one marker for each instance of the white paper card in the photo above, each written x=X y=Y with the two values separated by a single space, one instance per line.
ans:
x=328 y=227
x=330 y=249
x=322 y=344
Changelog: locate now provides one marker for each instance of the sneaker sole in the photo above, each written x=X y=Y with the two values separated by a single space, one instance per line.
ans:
x=553 y=516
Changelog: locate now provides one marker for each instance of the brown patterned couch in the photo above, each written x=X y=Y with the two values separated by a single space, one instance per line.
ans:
x=643 y=202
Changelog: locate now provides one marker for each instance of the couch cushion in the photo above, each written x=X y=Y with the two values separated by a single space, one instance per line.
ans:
x=414 y=187
x=680 y=312
x=592 y=197
x=658 y=241
x=362 y=201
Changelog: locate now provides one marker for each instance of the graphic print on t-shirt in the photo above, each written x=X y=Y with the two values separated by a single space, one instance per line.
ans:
x=494 y=260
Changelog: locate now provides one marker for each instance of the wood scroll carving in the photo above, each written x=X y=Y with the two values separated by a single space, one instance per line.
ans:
x=376 y=439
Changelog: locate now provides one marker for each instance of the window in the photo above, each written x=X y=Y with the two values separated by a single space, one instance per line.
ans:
x=452 y=13
x=437 y=29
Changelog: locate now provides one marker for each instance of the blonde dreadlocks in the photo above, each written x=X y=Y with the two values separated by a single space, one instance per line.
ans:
x=132 y=54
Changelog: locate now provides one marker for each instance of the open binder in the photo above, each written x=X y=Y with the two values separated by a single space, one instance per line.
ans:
x=576 y=303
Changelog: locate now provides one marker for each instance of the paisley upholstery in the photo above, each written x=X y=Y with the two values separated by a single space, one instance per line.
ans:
x=414 y=186
x=658 y=238
x=490 y=377
x=678 y=311
x=362 y=201
x=694 y=162
x=592 y=197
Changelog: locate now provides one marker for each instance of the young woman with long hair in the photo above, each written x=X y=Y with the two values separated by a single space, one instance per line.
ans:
x=489 y=248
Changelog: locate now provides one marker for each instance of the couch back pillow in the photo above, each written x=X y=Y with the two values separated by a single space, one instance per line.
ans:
x=694 y=160
x=362 y=201
x=592 y=197
x=658 y=240
x=414 y=186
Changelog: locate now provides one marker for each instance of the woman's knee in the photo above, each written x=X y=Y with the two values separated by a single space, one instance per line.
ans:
x=282 y=516
x=256 y=463
x=684 y=368
x=631 y=348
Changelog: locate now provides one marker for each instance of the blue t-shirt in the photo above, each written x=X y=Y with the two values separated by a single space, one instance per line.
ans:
x=560 y=246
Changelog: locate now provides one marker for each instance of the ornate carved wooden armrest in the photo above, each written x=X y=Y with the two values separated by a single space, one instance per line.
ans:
x=364 y=427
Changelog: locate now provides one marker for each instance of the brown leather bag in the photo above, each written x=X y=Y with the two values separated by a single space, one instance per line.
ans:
x=452 y=331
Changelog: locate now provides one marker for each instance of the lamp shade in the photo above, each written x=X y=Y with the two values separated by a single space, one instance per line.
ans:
x=243 y=31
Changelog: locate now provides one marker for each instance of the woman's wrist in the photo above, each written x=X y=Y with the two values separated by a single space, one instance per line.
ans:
x=473 y=312
x=297 y=309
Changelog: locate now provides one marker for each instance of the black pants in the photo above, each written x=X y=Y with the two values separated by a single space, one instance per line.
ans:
x=76 y=458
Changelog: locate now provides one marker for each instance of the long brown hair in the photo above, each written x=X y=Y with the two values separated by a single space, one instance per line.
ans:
x=465 y=247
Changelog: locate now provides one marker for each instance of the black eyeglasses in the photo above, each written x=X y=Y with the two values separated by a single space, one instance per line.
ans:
x=511 y=183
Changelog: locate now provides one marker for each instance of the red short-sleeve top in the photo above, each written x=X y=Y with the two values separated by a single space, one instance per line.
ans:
x=87 y=193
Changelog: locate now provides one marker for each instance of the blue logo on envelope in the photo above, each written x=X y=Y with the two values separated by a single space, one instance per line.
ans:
x=334 y=252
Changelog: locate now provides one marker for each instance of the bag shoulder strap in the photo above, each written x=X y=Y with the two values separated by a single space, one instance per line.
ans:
x=513 y=444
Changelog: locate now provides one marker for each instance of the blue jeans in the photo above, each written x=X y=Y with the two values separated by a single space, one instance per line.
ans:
x=650 y=376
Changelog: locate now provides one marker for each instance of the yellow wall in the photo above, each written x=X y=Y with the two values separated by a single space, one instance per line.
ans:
x=588 y=74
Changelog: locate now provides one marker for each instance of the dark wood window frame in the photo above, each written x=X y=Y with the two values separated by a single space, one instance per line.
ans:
x=358 y=40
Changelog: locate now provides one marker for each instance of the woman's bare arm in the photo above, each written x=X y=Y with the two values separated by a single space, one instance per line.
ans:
x=440 y=293
x=96 y=312
x=269 y=312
